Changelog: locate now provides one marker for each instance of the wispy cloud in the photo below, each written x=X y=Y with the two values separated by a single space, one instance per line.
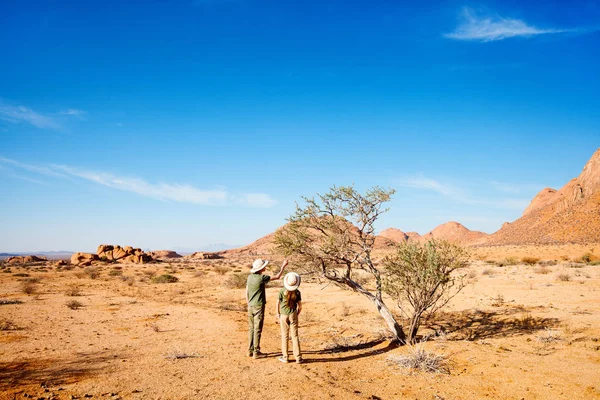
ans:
x=20 y=114
x=74 y=112
x=181 y=193
x=492 y=28
x=516 y=188
x=458 y=194
x=17 y=114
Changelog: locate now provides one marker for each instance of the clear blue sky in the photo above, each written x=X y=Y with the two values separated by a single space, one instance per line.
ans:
x=185 y=123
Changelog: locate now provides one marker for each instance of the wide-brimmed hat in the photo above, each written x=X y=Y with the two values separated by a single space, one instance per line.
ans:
x=258 y=264
x=291 y=281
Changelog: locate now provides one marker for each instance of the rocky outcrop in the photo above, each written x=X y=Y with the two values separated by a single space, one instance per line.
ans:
x=84 y=259
x=394 y=234
x=568 y=215
x=25 y=259
x=204 y=256
x=164 y=254
x=454 y=233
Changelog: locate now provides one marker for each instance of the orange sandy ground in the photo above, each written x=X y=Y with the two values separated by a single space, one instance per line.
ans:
x=116 y=345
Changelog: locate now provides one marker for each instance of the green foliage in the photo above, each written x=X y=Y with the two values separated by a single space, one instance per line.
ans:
x=333 y=234
x=421 y=278
x=165 y=278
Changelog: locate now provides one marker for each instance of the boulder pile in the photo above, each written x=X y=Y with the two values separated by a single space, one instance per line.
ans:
x=25 y=259
x=164 y=254
x=204 y=256
x=110 y=253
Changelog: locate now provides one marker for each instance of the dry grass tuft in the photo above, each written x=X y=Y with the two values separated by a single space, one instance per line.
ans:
x=177 y=354
x=542 y=270
x=165 y=278
x=419 y=359
x=236 y=281
x=7 y=325
x=530 y=260
x=73 y=290
x=92 y=272
x=221 y=270
x=9 y=301
x=74 y=304
x=549 y=336
x=564 y=277
x=487 y=271
x=29 y=287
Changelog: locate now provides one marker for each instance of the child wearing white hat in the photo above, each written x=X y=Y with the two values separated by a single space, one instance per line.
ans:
x=289 y=306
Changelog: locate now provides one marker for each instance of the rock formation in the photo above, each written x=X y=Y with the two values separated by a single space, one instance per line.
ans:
x=568 y=215
x=24 y=259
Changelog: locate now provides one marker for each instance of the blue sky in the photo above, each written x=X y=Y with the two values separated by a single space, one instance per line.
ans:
x=181 y=124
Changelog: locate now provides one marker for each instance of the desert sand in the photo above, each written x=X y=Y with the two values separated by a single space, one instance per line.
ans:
x=515 y=332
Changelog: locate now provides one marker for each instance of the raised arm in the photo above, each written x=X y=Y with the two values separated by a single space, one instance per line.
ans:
x=278 y=276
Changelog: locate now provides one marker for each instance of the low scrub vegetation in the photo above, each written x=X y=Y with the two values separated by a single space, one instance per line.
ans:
x=549 y=336
x=74 y=304
x=563 y=277
x=29 y=286
x=7 y=325
x=236 y=281
x=542 y=270
x=165 y=278
x=73 y=290
x=530 y=260
x=92 y=272
x=9 y=301
x=417 y=358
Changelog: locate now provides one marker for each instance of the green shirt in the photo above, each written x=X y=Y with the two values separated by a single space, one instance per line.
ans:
x=255 y=287
x=283 y=306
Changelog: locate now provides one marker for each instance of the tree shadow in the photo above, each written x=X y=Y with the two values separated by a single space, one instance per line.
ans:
x=477 y=324
x=340 y=349
x=50 y=372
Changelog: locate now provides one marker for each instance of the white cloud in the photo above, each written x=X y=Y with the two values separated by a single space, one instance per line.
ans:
x=74 y=112
x=181 y=193
x=458 y=194
x=19 y=114
x=488 y=29
x=261 y=200
x=421 y=182
x=516 y=188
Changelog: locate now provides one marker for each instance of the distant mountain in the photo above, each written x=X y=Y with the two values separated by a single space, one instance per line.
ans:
x=450 y=231
x=51 y=255
x=568 y=215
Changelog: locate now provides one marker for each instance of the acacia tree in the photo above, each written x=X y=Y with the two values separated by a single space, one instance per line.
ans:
x=421 y=278
x=334 y=235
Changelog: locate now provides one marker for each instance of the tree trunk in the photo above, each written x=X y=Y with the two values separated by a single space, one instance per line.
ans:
x=393 y=326
x=389 y=319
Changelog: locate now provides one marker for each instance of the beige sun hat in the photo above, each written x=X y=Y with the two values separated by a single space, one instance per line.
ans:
x=291 y=281
x=258 y=264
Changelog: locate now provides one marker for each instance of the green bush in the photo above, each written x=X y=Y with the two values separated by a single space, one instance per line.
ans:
x=165 y=278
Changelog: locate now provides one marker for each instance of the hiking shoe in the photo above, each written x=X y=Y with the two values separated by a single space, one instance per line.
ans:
x=299 y=361
x=250 y=353
x=258 y=354
x=283 y=360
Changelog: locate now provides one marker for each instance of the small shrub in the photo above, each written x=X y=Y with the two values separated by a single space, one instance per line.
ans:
x=73 y=290
x=549 y=336
x=530 y=260
x=7 y=325
x=165 y=278
x=471 y=274
x=487 y=271
x=597 y=262
x=417 y=358
x=92 y=272
x=510 y=261
x=497 y=301
x=21 y=275
x=221 y=270
x=564 y=277
x=150 y=273
x=129 y=280
x=542 y=270
x=29 y=287
x=236 y=281
x=115 y=272
x=548 y=263
x=586 y=258
x=74 y=304
x=231 y=305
